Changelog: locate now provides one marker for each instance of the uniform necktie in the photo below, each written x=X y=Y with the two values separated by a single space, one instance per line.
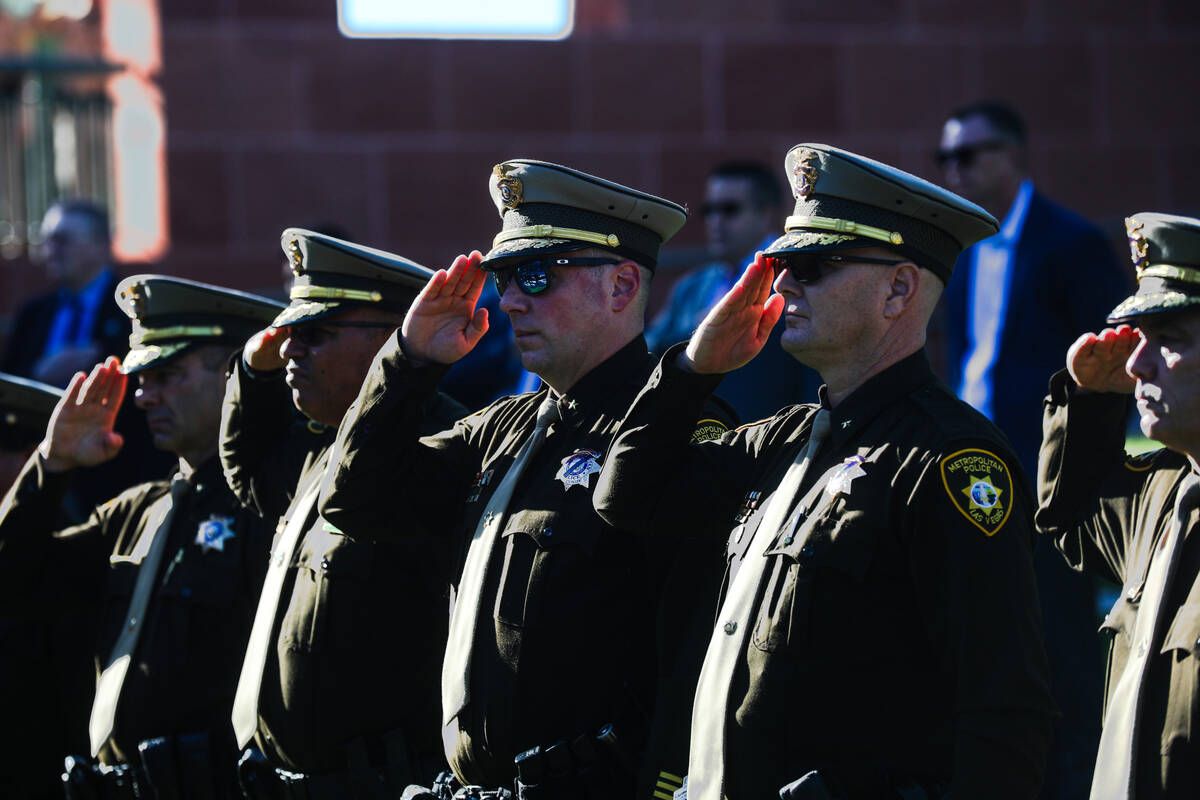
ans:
x=108 y=687
x=710 y=711
x=245 y=699
x=1116 y=759
x=456 y=667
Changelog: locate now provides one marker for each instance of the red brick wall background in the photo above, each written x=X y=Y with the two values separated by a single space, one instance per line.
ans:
x=274 y=119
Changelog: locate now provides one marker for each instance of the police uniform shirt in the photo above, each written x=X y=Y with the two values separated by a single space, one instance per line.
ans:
x=190 y=649
x=360 y=625
x=1108 y=512
x=565 y=639
x=896 y=634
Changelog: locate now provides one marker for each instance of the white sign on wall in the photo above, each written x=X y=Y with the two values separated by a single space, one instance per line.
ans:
x=456 y=19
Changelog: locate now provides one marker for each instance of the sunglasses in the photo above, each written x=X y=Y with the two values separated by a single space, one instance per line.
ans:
x=966 y=155
x=729 y=208
x=316 y=334
x=808 y=268
x=533 y=277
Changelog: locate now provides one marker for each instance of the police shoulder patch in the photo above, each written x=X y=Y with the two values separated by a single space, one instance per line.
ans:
x=1142 y=461
x=980 y=486
x=709 y=429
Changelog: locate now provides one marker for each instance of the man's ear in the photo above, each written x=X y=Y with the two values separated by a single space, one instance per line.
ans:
x=903 y=289
x=626 y=283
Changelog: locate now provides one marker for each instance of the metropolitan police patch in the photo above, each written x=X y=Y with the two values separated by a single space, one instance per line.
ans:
x=709 y=429
x=980 y=485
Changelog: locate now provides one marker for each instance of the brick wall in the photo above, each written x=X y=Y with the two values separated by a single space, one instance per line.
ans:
x=275 y=119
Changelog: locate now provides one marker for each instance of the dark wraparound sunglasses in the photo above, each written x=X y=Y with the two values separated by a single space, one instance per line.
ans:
x=533 y=277
x=315 y=334
x=966 y=155
x=809 y=268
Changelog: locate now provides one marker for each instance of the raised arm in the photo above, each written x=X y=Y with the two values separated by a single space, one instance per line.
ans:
x=1085 y=481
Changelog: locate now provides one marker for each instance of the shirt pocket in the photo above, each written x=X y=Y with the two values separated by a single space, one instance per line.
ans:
x=815 y=575
x=1182 y=647
x=541 y=549
x=1117 y=631
x=325 y=610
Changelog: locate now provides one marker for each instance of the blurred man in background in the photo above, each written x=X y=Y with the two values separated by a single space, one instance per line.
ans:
x=741 y=210
x=1016 y=301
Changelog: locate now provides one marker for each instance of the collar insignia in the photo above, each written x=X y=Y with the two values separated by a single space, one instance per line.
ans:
x=840 y=482
x=578 y=468
x=214 y=532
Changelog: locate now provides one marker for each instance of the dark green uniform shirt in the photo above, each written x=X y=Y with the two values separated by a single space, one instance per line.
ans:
x=896 y=630
x=190 y=650
x=565 y=642
x=1107 y=513
x=360 y=624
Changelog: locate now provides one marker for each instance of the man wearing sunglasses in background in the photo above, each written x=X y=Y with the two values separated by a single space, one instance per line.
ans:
x=879 y=624
x=549 y=671
x=1017 y=299
x=338 y=685
x=742 y=205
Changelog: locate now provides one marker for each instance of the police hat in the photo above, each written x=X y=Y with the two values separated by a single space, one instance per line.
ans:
x=25 y=409
x=1166 y=255
x=845 y=201
x=334 y=275
x=547 y=208
x=172 y=315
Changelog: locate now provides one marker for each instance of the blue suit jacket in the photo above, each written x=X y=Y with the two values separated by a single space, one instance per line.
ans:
x=1065 y=280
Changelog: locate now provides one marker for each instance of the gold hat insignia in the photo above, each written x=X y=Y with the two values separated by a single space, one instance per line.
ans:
x=805 y=173
x=1139 y=248
x=508 y=186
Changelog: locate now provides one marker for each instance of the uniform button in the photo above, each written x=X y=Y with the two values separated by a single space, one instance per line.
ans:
x=548 y=532
x=807 y=552
x=133 y=622
x=325 y=563
x=789 y=539
x=731 y=628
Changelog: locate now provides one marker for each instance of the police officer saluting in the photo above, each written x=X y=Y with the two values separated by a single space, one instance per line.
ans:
x=177 y=564
x=338 y=687
x=1135 y=520
x=550 y=659
x=878 y=634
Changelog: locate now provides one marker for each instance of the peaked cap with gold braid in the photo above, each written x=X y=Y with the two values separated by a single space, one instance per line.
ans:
x=547 y=208
x=845 y=201
x=172 y=315
x=333 y=275
x=1166 y=256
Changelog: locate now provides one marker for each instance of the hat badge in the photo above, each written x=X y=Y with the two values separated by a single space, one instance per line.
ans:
x=137 y=299
x=805 y=173
x=1139 y=248
x=508 y=186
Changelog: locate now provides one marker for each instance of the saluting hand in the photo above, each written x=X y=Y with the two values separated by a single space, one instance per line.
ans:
x=80 y=433
x=443 y=324
x=261 y=352
x=738 y=326
x=1097 y=361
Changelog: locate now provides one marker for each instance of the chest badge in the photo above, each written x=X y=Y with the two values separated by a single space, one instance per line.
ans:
x=840 y=482
x=578 y=468
x=214 y=532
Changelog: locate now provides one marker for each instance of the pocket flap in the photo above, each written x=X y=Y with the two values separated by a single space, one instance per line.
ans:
x=550 y=529
x=334 y=554
x=1184 y=633
x=1120 y=618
